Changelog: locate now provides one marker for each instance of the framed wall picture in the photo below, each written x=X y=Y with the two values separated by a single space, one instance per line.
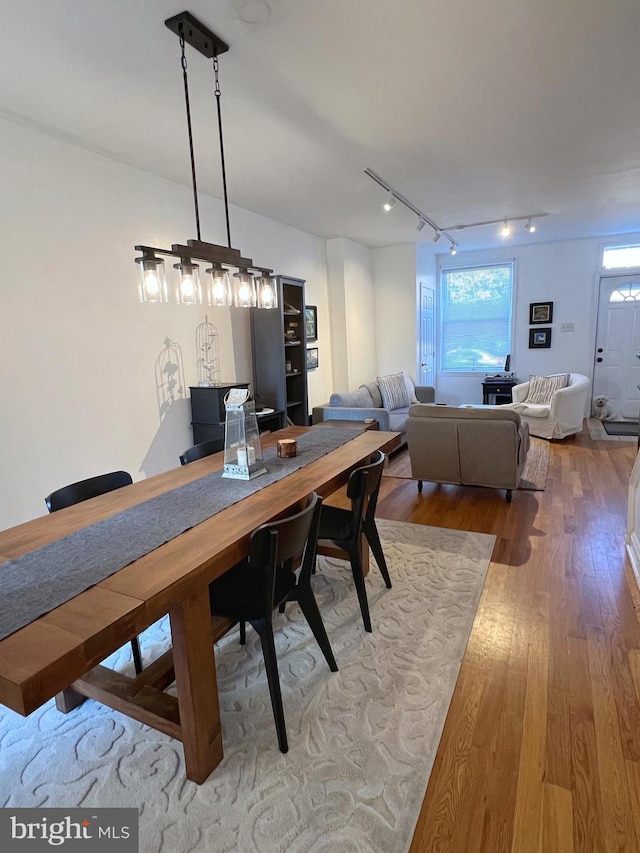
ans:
x=539 y=338
x=312 y=358
x=540 y=312
x=311 y=323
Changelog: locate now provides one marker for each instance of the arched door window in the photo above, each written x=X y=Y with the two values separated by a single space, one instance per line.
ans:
x=626 y=293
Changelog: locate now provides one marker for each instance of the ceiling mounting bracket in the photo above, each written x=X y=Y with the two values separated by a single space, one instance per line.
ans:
x=197 y=35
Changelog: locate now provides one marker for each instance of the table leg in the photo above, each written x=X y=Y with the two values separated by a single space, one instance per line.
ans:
x=195 y=670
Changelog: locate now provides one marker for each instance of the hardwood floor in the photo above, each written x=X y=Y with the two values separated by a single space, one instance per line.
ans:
x=541 y=747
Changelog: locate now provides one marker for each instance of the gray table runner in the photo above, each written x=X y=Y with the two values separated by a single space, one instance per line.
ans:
x=45 y=578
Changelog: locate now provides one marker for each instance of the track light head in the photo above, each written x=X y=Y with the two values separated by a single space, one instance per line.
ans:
x=506 y=230
x=437 y=236
x=530 y=227
x=390 y=202
x=421 y=223
x=452 y=249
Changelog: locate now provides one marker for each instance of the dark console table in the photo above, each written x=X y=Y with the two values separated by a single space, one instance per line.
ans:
x=497 y=391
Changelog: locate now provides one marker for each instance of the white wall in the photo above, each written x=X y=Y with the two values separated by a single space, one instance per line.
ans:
x=359 y=301
x=352 y=313
x=337 y=316
x=395 y=309
x=78 y=353
x=564 y=273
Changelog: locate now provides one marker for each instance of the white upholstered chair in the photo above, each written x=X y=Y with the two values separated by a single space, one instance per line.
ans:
x=562 y=416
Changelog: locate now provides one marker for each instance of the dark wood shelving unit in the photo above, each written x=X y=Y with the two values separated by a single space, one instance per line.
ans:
x=274 y=385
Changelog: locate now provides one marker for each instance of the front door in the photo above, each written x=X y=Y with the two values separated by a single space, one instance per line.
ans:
x=617 y=359
x=426 y=372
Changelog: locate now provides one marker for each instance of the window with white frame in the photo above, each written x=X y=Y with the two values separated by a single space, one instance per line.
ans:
x=620 y=257
x=475 y=318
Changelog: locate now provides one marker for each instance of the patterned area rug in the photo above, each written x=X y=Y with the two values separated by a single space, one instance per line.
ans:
x=362 y=740
x=533 y=477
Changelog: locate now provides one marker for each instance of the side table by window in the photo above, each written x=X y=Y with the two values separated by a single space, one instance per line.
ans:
x=497 y=391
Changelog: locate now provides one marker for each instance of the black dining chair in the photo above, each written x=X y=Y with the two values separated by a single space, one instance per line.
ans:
x=254 y=588
x=83 y=490
x=345 y=527
x=199 y=451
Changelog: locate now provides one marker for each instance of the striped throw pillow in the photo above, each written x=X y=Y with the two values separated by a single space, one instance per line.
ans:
x=394 y=391
x=542 y=388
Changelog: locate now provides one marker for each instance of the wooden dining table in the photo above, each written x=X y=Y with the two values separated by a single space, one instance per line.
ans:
x=59 y=653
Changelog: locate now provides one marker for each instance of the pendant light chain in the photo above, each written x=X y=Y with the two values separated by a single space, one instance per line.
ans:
x=193 y=161
x=218 y=94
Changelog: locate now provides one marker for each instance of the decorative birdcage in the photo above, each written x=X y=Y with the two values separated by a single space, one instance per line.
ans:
x=207 y=354
x=242 y=448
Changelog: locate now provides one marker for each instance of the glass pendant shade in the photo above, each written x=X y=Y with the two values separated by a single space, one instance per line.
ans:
x=188 y=290
x=152 y=283
x=267 y=292
x=218 y=287
x=244 y=290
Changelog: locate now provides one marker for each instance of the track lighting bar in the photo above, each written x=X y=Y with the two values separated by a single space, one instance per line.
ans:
x=438 y=232
x=502 y=221
x=396 y=196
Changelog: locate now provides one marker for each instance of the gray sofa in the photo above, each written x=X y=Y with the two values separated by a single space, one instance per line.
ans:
x=467 y=446
x=366 y=402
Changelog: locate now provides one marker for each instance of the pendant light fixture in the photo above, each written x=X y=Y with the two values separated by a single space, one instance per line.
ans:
x=244 y=289
x=188 y=289
x=219 y=286
x=152 y=284
x=220 y=289
x=267 y=292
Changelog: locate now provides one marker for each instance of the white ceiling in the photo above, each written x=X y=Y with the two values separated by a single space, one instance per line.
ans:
x=472 y=110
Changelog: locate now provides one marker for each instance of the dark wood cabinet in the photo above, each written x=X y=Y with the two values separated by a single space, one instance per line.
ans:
x=279 y=353
x=207 y=410
x=495 y=392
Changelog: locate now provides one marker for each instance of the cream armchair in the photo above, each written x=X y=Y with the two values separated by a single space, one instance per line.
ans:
x=563 y=416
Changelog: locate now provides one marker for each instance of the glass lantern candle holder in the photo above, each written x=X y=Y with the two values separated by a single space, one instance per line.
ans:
x=243 y=458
